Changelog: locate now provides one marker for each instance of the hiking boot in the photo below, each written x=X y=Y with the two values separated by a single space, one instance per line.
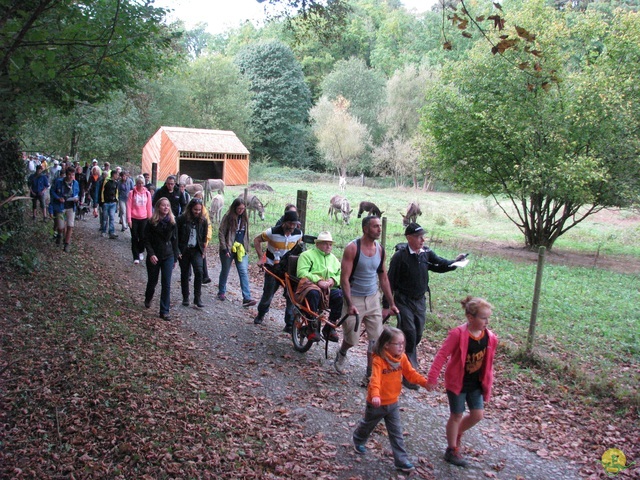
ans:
x=166 y=317
x=258 y=320
x=409 y=385
x=222 y=297
x=330 y=333
x=406 y=467
x=185 y=302
x=340 y=363
x=113 y=236
x=248 y=303
x=147 y=303
x=206 y=280
x=198 y=303
x=452 y=456
x=361 y=449
x=288 y=329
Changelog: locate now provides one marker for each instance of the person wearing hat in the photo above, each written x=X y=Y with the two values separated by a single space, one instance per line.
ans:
x=319 y=274
x=279 y=240
x=409 y=280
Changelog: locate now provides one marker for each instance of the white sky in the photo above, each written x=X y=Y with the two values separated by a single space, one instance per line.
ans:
x=221 y=15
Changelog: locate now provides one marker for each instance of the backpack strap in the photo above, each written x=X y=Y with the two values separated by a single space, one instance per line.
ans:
x=356 y=259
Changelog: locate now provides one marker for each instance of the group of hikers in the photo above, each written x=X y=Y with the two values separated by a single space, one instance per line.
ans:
x=171 y=228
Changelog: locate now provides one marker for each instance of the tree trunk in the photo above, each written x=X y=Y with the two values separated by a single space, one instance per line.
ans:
x=75 y=140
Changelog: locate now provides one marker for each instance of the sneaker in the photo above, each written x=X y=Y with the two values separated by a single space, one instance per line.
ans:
x=136 y=262
x=185 y=302
x=66 y=248
x=364 y=382
x=452 y=455
x=103 y=235
x=340 y=363
x=288 y=329
x=58 y=239
x=206 y=280
x=141 y=257
x=409 y=385
x=166 y=317
x=361 y=449
x=222 y=297
x=113 y=236
x=198 y=303
x=258 y=320
x=248 y=303
x=330 y=334
x=406 y=467
x=147 y=304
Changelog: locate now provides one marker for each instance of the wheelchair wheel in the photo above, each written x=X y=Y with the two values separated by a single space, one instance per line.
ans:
x=300 y=332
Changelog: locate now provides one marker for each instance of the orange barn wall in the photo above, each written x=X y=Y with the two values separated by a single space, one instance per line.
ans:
x=236 y=172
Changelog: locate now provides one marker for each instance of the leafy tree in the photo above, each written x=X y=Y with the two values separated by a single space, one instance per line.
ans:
x=281 y=102
x=341 y=137
x=60 y=52
x=364 y=88
x=398 y=158
x=557 y=152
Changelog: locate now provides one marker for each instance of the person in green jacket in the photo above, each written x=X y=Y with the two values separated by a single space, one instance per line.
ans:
x=322 y=268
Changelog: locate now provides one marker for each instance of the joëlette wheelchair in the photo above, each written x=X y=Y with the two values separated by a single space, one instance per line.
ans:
x=307 y=324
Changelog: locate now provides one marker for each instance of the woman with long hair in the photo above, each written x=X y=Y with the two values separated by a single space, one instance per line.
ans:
x=161 y=243
x=192 y=243
x=138 y=213
x=234 y=246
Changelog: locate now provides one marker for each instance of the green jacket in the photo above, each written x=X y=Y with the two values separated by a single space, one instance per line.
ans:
x=315 y=265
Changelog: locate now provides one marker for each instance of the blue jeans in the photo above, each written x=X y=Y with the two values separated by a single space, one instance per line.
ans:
x=391 y=415
x=153 y=272
x=243 y=274
x=268 y=291
x=109 y=218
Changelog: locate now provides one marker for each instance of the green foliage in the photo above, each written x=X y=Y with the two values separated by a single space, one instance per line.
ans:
x=551 y=151
x=281 y=102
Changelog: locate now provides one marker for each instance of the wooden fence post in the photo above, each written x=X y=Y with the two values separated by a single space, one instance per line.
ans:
x=536 y=300
x=383 y=237
x=301 y=205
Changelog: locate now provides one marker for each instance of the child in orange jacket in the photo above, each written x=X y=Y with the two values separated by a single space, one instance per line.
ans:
x=389 y=365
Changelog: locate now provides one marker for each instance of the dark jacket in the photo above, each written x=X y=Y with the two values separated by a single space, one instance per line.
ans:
x=109 y=192
x=161 y=240
x=184 y=230
x=409 y=274
x=178 y=202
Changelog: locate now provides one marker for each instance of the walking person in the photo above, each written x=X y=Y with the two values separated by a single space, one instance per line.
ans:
x=205 y=213
x=38 y=185
x=409 y=281
x=390 y=365
x=125 y=185
x=161 y=243
x=279 y=240
x=172 y=193
x=109 y=199
x=64 y=198
x=469 y=350
x=233 y=236
x=192 y=244
x=139 y=211
x=362 y=269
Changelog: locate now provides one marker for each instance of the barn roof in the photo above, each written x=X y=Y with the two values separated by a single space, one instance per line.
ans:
x=201 y=140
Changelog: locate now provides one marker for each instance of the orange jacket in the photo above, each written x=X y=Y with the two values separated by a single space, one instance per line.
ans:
x=386 y=382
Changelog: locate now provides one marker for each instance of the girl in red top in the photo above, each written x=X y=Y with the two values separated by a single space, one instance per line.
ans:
x=389 y=365
x=468 y=378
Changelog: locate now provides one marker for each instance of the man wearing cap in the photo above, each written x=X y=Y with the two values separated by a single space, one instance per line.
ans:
x=279 y=240
x=319 y=274
x=409 y=280
x=362 y=269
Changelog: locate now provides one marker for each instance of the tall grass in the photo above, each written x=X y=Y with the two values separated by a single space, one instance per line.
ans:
x=588 y=318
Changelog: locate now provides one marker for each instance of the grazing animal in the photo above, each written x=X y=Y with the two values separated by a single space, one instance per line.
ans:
x=340 y=204
x=186 y=179
x=215 y=210
x=369 y=207
x=254 y=205
x=343 y=183
x=214 y=185
x=193 y=188
x=413 y=211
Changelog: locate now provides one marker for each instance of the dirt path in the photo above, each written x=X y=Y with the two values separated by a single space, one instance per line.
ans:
x=306 y=388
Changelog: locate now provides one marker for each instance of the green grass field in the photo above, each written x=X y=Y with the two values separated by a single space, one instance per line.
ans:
x=588 y=319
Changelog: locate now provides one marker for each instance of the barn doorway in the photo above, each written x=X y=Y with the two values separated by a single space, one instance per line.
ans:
x=202 y=170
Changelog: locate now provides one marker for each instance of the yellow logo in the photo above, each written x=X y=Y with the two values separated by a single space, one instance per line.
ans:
x=614 y=461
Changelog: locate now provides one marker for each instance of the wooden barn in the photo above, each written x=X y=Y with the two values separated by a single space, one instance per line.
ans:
x=196 y=152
